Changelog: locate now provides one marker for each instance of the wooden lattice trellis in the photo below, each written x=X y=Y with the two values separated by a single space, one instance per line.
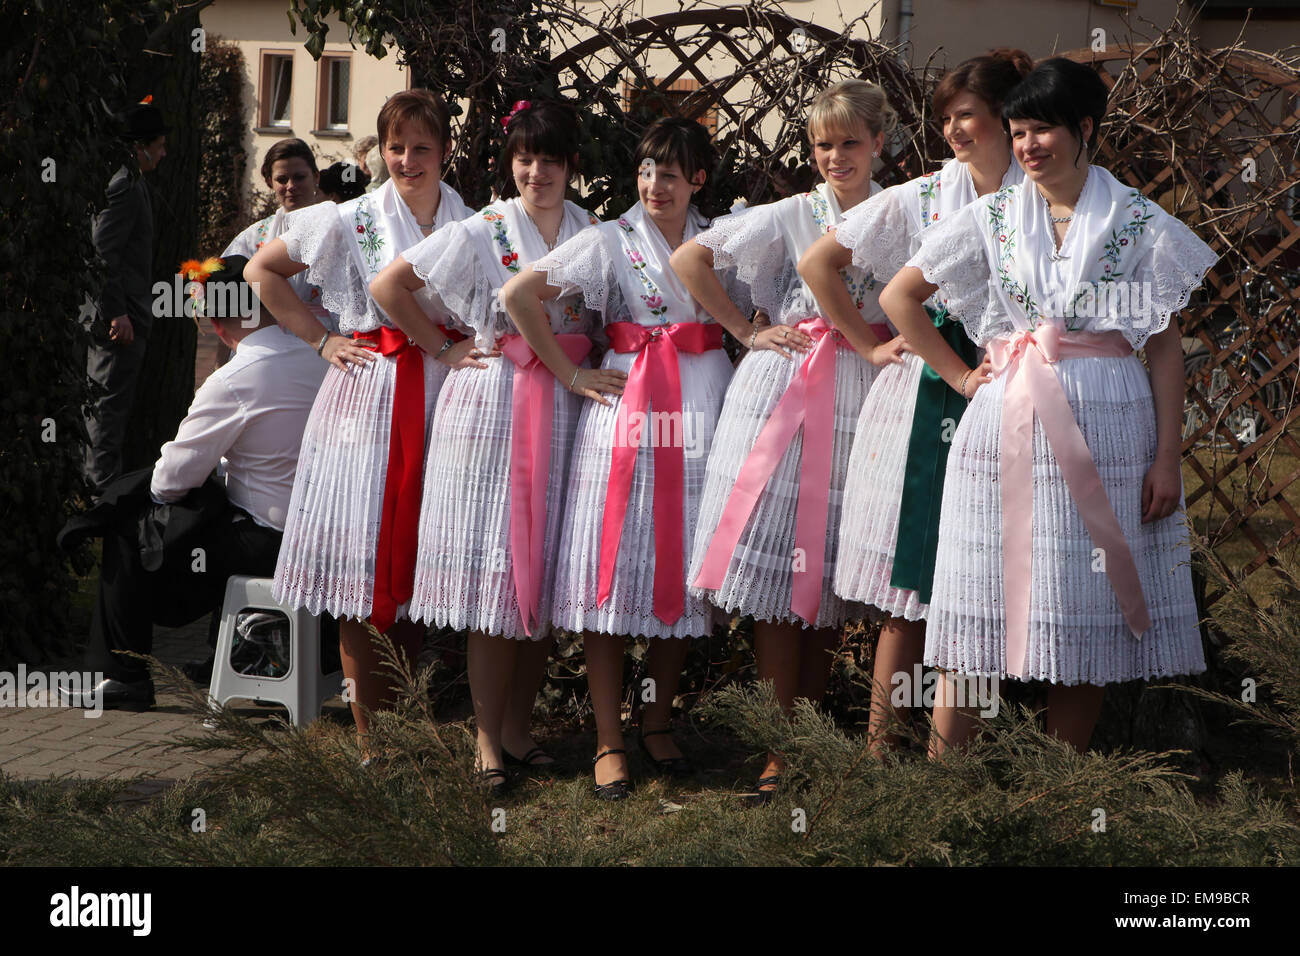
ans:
x=755 y=72
x=1214 y=136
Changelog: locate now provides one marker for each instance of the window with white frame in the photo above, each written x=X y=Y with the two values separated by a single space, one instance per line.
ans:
x=335 y=86
x=276 y=94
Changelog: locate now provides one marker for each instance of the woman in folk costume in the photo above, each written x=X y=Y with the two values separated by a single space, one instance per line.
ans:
x=638 y=460
x=1063 y=550
x=289 y=170
x=765 y=542
x=502 y=432
x=887 y=542
x=349 y=542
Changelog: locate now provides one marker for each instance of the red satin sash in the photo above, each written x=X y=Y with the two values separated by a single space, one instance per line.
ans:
x=399 y=524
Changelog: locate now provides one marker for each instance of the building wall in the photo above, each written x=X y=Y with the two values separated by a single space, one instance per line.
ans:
x=942 y=32
x=257 y=26
x=954 y=30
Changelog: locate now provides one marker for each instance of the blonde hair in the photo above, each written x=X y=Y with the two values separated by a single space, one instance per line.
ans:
x=850 y=105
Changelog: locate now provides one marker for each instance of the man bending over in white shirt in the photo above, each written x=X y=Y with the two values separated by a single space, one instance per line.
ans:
x=249 y=414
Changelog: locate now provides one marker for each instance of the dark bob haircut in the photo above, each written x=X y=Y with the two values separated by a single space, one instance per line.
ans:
x=1060 y=92
x=673 y=139
x=545 y=128
x=989 y=77
x=287 y=149
x=344 y=181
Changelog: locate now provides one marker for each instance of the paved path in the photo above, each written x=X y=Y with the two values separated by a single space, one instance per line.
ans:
x=40 y=742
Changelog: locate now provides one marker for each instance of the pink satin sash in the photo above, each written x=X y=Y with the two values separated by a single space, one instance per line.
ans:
x=1032 y=387
x=655 y=375
x=810 y=393
x=530 y=465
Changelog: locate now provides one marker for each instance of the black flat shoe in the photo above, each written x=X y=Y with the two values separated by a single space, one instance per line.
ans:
x=529 y=760
x=110 y=694
x=615 y=789
x=495 y=781
x=678 y=767
x=761 y=797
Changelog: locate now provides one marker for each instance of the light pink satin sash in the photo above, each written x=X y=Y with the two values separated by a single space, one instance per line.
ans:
x=530 y=465
x=810 y=394
x=1032 y=387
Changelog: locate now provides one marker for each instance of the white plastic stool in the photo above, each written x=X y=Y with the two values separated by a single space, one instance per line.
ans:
x=303 y=688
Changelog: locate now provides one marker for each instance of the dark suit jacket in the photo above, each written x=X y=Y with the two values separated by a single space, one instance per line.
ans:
x=123 y=237
x=160 y=530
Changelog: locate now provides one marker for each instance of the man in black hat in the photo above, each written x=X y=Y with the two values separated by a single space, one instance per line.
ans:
x=123 y=237
x=170 y=543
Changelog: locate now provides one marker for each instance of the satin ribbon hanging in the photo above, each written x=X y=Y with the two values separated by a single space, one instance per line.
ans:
x=533 y=412
x=655 y=375
x=811 y=392
x=399 y=523
x=1033 y=388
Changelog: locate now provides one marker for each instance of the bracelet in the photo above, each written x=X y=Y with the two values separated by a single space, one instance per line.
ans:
x=447 y=343
x=753 y=337
x=961 y=386
x=321 y=346
x=574 y=380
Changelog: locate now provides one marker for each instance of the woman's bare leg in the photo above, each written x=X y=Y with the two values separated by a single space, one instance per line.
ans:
x=900 y=648
x=530 y=667
x=604 y=656
x=1072 y=713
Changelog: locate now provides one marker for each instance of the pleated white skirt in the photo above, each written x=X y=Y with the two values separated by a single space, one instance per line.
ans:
x=630 y=608
x=327 y=558
x=874 y=490
x=1077 y=633
x=464 y=574
x=760 y=574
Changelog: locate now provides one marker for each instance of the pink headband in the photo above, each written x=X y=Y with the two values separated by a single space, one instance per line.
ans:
x=519 y=106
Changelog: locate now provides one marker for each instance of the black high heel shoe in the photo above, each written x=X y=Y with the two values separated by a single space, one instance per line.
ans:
x=678 y=767
x=619 y=789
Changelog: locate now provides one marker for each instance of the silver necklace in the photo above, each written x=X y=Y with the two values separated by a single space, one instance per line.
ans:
x=550 y=244
x=1057 y=220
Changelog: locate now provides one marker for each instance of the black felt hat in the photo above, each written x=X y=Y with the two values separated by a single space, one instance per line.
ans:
x=224 y=292
x=142 y=123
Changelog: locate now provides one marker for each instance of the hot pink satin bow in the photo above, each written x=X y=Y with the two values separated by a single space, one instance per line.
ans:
x=810 y=393
x=654 y=375
x=530 y=465
x=1026 y=358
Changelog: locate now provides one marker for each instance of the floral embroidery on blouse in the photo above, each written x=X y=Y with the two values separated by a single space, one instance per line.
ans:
x=1006 y=245
x=509 y=257
x=1140 y=214
x=261 y=231
x=820 y=210
x=821 y=216
x=930 y=187
x=651 y=297
x=572 y=314
x=1121 y=239
x=370 y=240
